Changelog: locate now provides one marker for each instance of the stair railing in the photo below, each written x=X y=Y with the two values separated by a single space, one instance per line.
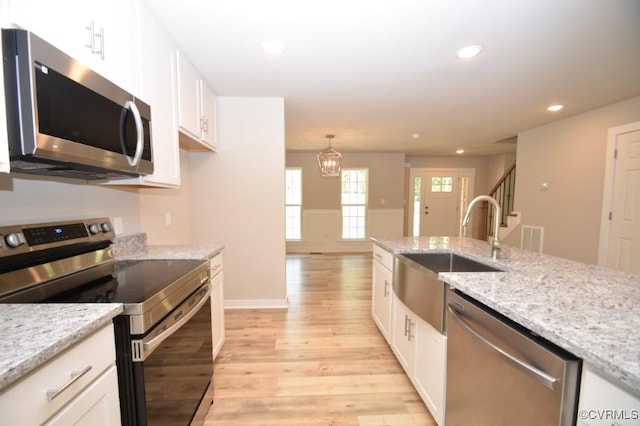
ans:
x=503 y=192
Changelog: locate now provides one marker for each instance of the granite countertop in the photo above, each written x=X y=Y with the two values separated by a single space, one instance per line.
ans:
x=134 y=247
x=31 y=334
x=585 y=309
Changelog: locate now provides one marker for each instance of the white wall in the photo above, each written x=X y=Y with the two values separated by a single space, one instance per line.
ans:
x=157 y=203
x=238 y=199
x=25 y=199
x=569 y=155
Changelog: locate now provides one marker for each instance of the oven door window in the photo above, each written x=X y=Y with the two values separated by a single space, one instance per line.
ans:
x=178 y=372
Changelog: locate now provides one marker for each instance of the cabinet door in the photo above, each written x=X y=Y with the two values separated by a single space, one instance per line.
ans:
x=381 y=298
x=156 y=78
x=403 y=334
x=208 y=119
x=430 y=368
x=99 y=34
x=188 y=97
x=602 y=401
x=217 y=313
x=96 y=405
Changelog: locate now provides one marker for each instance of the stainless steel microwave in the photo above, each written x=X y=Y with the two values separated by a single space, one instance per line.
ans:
x=63 y=119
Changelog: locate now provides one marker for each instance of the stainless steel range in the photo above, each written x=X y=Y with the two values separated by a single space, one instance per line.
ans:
x=163 y=338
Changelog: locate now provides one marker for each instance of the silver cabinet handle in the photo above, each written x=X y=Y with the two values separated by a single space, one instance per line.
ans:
x=75 y=376
x=410 y=335
x=101 y=35
x=537 y=374
x=406 y=322
x=386 y=288
x=215 y=267
x=92 y=37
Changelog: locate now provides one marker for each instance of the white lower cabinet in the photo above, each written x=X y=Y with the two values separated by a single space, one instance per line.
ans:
x=382 y=290
x=422 y=352
x=430 y=368
x=403 y=327
x=604 y=403
x=94 y=405
x=78 y=386
x=217 y=304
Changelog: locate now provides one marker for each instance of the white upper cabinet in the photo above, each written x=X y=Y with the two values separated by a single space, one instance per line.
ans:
x=196 y=108
x=100 y=34
x=155 y=81
x=208 y=118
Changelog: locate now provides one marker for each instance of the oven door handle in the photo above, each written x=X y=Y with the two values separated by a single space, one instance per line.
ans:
x=141 y=349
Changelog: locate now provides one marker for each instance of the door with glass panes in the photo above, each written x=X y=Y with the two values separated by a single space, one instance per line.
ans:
x=438 y=200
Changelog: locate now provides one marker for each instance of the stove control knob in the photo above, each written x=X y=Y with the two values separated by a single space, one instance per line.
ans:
x=106 y=227
x=94 y=228
x=14 y=239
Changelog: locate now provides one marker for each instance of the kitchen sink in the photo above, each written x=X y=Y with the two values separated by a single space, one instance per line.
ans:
x=449 y=262
x=416 y=282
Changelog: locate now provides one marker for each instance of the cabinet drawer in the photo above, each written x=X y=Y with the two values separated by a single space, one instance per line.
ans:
x=26 y=401
x=215 y=264
x=383 y=256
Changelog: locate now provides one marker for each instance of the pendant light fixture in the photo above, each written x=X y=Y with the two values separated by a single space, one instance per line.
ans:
x=330 y=160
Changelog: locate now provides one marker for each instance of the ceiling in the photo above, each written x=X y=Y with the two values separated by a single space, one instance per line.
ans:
x=376 y=72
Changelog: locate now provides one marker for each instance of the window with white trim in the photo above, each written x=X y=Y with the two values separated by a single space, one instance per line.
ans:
x=354 y=188
x=293 y=203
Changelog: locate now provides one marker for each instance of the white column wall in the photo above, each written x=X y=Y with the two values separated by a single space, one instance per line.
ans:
x=237 y=197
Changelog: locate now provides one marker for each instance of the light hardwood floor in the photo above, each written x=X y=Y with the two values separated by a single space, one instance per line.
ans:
x=321 y=362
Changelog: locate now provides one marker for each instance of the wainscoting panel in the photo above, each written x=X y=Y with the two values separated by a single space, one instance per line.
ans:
x=321 y=231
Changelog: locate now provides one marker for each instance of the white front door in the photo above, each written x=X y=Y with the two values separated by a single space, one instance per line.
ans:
x=438 y=199
x=621 y=213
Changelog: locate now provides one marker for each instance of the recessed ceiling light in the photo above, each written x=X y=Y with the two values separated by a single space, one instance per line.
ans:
x=459 y=151
x=554 y=108
x=273 y=47
x=469 y=52
x=415 y=135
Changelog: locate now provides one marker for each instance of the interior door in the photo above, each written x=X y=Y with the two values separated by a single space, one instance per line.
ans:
x=624 y=232
x=439 y=197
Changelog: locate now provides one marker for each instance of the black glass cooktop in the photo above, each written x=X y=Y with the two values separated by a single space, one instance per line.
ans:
x=131 y=281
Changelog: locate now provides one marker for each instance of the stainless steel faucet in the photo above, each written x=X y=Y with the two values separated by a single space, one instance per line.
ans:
x=495 y=243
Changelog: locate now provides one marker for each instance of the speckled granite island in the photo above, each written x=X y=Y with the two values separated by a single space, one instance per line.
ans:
x=32 y=334
x=589 y=311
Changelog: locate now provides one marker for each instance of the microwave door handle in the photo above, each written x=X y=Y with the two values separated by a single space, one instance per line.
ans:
x=131 y=106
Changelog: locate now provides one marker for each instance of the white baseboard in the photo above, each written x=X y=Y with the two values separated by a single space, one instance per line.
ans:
x=256 y=304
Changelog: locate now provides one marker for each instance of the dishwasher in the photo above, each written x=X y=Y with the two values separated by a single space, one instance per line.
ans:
x=500 y=373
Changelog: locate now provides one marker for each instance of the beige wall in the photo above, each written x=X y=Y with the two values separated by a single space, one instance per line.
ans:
x=386 y=175
x=569 y=155
x=480 y=164
x=321 y=210
x=237 y=199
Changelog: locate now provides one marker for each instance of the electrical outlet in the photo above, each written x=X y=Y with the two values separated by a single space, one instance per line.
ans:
x=117 y=225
